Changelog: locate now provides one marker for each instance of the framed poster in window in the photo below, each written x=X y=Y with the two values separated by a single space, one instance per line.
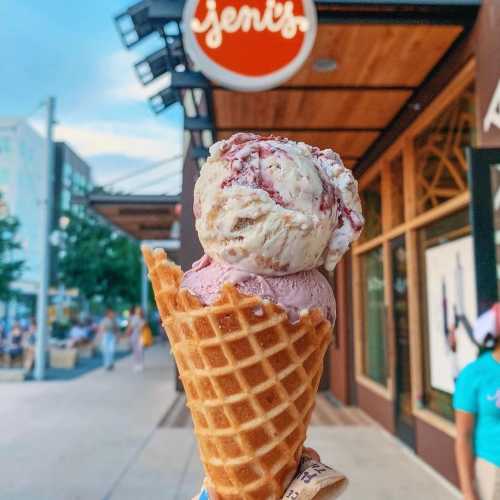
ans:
x=451 y=310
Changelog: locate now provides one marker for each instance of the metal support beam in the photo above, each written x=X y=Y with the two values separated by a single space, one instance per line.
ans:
x=298 y=129
x=170 y=10
x=397 y=13
x=189 y=80
x=199 y=152
x=198 y=123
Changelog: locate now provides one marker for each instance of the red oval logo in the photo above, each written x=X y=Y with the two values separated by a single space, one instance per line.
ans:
x=249 y=44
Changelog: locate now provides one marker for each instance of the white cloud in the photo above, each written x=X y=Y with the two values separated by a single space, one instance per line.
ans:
x=147 y=139
x=135 y=91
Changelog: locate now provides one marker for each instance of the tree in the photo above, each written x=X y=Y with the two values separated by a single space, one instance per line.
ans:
x=100 y=262
x=10 y=266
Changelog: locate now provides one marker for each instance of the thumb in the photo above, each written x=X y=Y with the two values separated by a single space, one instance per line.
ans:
x=212 y=494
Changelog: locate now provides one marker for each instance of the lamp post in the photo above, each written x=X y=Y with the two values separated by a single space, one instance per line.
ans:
x=45 y=211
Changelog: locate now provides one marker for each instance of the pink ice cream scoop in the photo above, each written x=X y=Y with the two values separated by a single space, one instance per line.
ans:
x=294 y=292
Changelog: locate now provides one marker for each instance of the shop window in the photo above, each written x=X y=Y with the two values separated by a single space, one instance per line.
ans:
x=397 y=215
x=374 y=341
x=67 y=174
x=440 y=153
x=65 y=200
x=449 y=306
x=371 y=201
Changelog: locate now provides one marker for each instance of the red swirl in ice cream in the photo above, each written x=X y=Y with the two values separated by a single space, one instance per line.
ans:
x=272 y=206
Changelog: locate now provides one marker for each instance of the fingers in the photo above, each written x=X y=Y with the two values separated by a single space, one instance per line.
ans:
x=212 y=495
x=312 y=454
x=309 y=452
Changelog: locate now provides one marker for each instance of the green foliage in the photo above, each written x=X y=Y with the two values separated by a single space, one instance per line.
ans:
x=104 y=265
x=10 y=267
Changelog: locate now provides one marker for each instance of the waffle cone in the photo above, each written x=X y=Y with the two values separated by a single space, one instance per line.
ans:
x=250 y=378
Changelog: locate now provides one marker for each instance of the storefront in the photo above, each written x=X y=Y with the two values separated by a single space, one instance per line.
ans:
x=413 y=275
x=425 y=265
x=398 y=90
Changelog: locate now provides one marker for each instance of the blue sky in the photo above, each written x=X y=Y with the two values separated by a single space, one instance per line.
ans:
x=70 y=49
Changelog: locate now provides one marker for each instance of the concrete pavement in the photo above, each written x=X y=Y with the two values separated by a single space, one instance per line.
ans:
x=97 y=438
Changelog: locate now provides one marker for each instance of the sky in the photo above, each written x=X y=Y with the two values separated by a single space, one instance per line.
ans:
x=71 y=50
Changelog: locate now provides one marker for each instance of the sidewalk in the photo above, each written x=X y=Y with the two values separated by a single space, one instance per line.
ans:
x=97 y=438
x=71 y=440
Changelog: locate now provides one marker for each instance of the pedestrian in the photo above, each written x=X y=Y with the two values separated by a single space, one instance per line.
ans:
x=134 y=329
x=108 y=330
x=15 y=342
x=29 y=346
x=477 y=414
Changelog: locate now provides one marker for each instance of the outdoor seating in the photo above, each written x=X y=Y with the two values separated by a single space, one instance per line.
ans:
x=86 y=350
x=12 y=375
x=11 y=359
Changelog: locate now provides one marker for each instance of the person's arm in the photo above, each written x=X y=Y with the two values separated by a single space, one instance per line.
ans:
x=464 y=453
x=128 y=330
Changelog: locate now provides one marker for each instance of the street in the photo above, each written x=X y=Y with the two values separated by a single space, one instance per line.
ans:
x=98 y=437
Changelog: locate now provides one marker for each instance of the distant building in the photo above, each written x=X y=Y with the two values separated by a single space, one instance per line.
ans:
x=22 y=160
x=72 y=182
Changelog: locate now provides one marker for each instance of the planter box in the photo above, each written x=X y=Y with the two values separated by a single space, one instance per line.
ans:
x=63 y=358
x=11 y=375
x=86 y=351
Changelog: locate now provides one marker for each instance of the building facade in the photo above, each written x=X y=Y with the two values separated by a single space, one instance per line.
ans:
x=23 y=156
x=413 y=276
x=72 y=182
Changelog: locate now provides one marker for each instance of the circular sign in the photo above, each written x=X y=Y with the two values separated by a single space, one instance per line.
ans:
x=249 y=45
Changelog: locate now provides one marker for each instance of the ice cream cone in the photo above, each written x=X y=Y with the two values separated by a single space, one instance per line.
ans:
x=250 y=377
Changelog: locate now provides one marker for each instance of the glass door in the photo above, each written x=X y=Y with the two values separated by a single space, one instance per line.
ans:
x=403 y=402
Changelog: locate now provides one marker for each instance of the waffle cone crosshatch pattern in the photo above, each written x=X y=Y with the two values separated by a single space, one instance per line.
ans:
x=250 y=376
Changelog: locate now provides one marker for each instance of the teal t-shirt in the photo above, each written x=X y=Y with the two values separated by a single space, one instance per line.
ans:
x=478 y=391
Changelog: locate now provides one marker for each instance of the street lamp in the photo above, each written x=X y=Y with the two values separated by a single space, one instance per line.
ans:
x=45 y=212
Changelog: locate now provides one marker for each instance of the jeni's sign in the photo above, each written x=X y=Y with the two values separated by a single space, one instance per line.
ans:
x=249 y=45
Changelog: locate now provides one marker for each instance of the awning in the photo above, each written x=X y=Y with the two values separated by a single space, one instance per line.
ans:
x=360 y=75
x=144 y=217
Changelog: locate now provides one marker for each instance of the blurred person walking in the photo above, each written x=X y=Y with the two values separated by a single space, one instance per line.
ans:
x=108 y=329
x=29 y=346
x=15 y=342
x=477 y=414
x=134 y=329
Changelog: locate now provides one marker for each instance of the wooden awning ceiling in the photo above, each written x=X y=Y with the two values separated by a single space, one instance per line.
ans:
x=379 y=67
x=144 y=217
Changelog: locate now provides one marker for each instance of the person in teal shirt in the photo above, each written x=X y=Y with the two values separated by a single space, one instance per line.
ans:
x=477 y=414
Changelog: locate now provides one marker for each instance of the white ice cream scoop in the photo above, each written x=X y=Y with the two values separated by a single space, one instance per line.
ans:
x=272 y=206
